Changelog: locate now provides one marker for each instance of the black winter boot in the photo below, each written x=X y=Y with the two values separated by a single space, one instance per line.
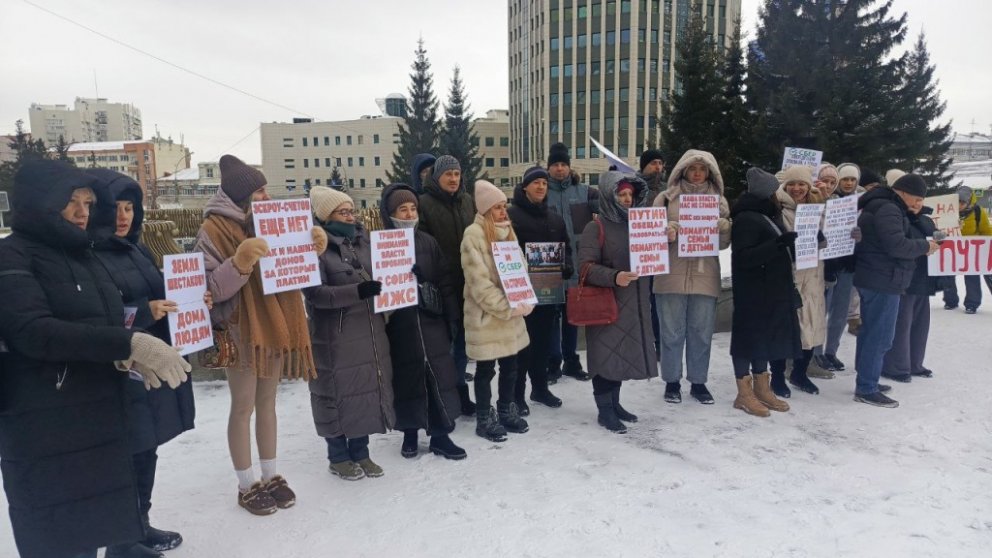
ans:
x=545 y=397
x=621 y=413
x=802 y=383
x=779 y=387
x=554 y=370
x=509 y=417
x=522 y=408
x=443 y=446
x=133 y=550
x=607 y=414
x=468 y=408
x=701 y=394
x=673 y=392
x=573 y=368
x=488 y=426
x=157 y=539
x=409 y=447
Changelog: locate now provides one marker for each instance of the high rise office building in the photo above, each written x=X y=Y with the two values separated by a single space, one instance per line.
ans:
x=582 y=69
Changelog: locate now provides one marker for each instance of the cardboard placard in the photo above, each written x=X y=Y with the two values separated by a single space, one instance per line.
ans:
x=545 y=261
x=393 y=257
x=698 y=233
x=185 y=284
x=962 y=255
x=647 y=228
x=808 y=225
x=840 y=218
x=945 y=213
x=513 y=274
x=291 y=263
x=799 y=157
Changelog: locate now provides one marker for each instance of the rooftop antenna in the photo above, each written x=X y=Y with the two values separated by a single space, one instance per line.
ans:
x=973 y=126
x=96 y=85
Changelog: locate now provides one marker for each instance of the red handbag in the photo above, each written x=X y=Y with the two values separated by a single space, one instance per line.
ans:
x=591 y=306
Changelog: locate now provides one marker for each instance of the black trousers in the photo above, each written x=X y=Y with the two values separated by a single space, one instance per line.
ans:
x=743 y=366
x=485 y=370
x=144 y=476
x=533 y=359
x=601 y=385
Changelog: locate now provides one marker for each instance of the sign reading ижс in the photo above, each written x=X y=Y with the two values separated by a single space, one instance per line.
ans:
x=647 y=228
x=513 y=274
x=699 y=235
x=393 y=256
x=292 y=261
x=185 y=284
x=962 y=255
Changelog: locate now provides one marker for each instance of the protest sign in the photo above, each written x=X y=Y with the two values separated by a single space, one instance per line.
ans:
x=545 y=261
x=291 y=262
x=647 y=228
x=698 y=232
x=808 y=225
x=839 y=220
x=799 y=157
x=962 y=255
x=513 y=274
x=393 y=256
x=945 y=213
x=185 y=284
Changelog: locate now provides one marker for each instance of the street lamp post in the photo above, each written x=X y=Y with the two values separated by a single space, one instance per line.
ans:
x=175 y=174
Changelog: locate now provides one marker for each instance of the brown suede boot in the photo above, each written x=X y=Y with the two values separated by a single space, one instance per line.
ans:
x=763 y=391
x=746 y=401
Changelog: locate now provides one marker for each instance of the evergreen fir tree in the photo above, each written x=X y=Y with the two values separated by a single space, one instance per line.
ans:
x=692 y=118
x=26 y=149
x=420 y=129
x=62 y=150
x=737 y=122
x=458 y=138
x=336 y=181
x=921 y=144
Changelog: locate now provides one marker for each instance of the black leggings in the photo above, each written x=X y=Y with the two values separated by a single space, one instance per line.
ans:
x=743 y=366
x=485 y=370
x=601 y=385
x=533 y=359
x=799 y=365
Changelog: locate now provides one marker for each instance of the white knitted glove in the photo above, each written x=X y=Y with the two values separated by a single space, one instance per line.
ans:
x=156 y=361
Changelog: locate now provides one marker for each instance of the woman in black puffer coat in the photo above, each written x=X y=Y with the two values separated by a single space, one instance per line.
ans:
x=425 y=379
x=64 y=420
x=534 y=223
x=155 y=416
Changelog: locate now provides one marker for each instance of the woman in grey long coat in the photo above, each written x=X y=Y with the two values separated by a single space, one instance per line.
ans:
x=352 y=396
x=623 y=350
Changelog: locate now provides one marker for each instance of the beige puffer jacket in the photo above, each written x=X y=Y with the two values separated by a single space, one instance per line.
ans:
x=692 y=276
x=809 y=282
x=491 y=331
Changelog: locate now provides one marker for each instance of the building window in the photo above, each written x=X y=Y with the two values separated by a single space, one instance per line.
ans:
x=611 y=8
x=610 y=95
x=594 y=125
x=653 y=65
x=287 y=163
x=351 y=162
x=625 y=66
x=665 y=65
x=210 y=172
x=652 y=94
x=287 y=142
x=306 y=163
x=554 y=100
x=361 y=161
x=375 y=138
x=582 y=40
x=597 y=38
x=376 y=160
x=490 y=141
x=348 y=140
x=337 y=161
x=554 y=42
x=315 y=144
x=568 y=70
x=327 y=162
x=567 y=98
x=597 y=9
x=504 y=141
x=351 y=183
x=566 y=127
x=504 y=162
x=625 y=36
x=361 y=183
x=304 y=142
x=318 y=182
x=568 y=42
x=625 y=7
x=595 y=68
x=583 y=12
x=580 y=152
x=640 y=93
x=608 y=124
x=668 y=37
x=580 y=97
x=594 y=97
x=554 y=15
x=623 y=123
x=316 y=163
x=327 y=141
x=611 y=37
x=610 y=66
x=553 y=127
x=554 y=72
x=490 y=162
x=580 y=69
x=337 y=140
x=379 y=183
x=624 y=94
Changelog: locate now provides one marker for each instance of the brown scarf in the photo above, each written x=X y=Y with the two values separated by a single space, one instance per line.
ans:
x=272 y=326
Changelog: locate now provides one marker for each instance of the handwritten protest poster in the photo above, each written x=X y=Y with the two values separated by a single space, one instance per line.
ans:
x=185 y=284
x=962 y=255
x=839 y=220
x=945 y=213
x=291 y=262
x=698 y=232
x=393 y=256
x=513 y=274
x=545 y=261
x=647 y=228
x=808 y=227
x=799 y=157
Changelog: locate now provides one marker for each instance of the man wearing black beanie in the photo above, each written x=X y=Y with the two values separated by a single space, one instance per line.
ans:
x=885 y=262
x=575 y=203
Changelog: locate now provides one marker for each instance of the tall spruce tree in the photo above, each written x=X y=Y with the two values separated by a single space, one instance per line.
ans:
x=737 y=122
x=921 y=143
x=336 y=182
x=61 y=150
x=420 y=128
x=25 y=149
x=821 y=75
x=458 y=138
x=692 y=118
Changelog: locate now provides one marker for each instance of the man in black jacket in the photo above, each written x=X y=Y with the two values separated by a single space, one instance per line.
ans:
x=886 y=260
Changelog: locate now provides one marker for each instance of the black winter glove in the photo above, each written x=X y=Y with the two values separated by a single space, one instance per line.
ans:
x=787 y=239
x=368 y=289
x=417 y=273
x=567 y=272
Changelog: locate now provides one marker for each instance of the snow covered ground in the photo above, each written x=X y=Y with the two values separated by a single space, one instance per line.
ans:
x=976 y=174
x=829 y=478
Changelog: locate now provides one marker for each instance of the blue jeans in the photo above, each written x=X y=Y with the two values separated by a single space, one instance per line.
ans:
x=879 y=313
x=564 y=338
x=459 y=355
x=687 y=324
x=838 y=302
x=343 y=449
x=972 y=291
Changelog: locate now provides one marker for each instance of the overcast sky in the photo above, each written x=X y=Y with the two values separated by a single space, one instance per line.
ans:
x=330 y=60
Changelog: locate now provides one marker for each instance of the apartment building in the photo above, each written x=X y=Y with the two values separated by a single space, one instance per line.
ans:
x=88 y=120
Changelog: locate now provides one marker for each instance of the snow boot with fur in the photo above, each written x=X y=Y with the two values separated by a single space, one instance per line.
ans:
x=746 y=401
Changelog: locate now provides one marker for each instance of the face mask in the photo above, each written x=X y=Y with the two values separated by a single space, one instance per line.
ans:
x=403 y=223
